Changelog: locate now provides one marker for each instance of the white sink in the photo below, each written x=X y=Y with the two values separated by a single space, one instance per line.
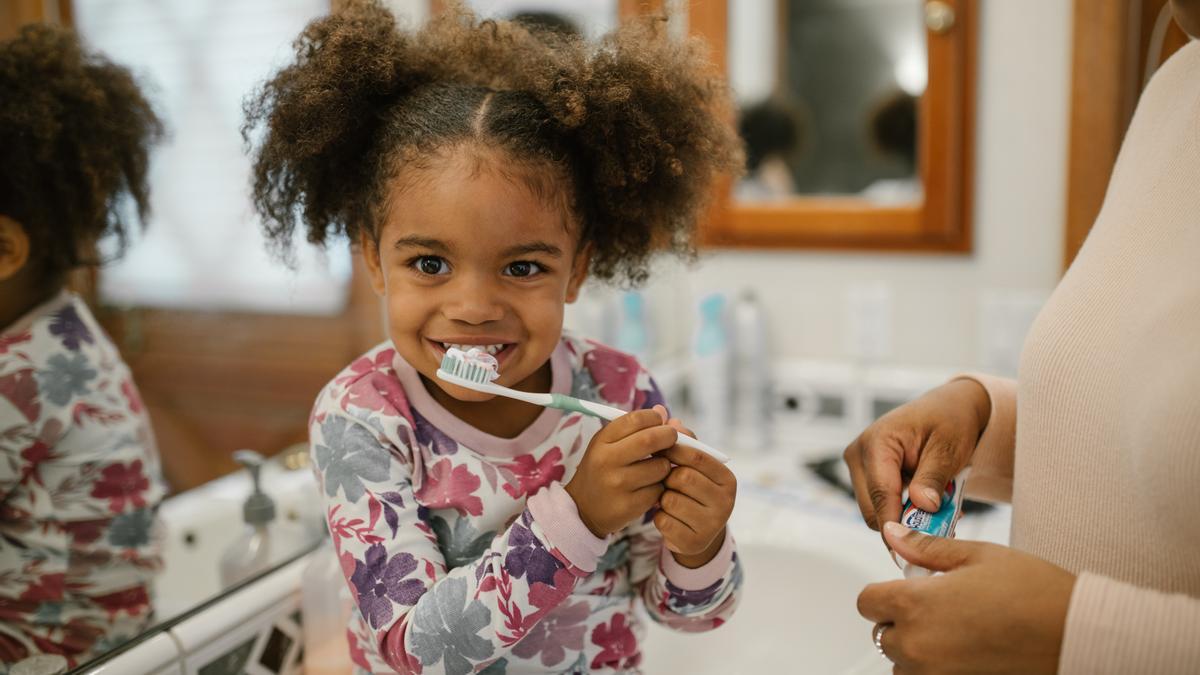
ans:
x=199 y=524
x=805 y=565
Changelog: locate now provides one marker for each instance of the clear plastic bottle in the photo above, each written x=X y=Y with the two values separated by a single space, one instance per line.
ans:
x=325 y=603
x=751 y=375
x=263 y=543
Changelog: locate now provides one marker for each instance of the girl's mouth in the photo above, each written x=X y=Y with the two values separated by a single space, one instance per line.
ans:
x=497 y=348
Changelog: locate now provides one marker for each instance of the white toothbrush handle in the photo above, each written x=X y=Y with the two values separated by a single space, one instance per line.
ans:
x=611 y=414
x=598 y=409
x=703 y=447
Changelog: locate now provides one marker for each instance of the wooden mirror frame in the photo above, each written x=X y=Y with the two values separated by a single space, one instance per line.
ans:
x=941 y=222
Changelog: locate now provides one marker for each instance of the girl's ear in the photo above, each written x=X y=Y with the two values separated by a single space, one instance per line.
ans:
x=370 y=254
x=579 y=272
x=14 y=248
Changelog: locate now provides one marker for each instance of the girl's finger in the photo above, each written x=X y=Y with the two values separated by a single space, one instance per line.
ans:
x=696 y=485
x=672 y=529
x=649 y=471
x=629 y=424
x=647 y=497
x=685 y=509
x=640 y=445
x=674 y=422
x=701 y=462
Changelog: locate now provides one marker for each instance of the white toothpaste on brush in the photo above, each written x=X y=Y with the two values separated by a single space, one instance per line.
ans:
x=939 y=524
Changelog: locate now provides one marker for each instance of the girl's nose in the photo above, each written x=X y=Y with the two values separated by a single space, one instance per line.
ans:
x=473 y=300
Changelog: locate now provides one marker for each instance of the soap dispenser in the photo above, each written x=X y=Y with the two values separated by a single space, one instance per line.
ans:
x=262 y=542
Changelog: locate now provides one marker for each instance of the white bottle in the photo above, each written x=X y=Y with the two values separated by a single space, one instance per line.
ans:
x=262 y=544
x=708 y=384
x=325 y=603
x=751 y=376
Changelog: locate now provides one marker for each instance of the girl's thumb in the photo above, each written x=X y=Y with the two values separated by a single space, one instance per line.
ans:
x=937 y=554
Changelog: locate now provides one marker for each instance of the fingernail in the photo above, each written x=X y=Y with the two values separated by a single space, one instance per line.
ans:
x=662 y=411
x=895 y=529
x=932 y=495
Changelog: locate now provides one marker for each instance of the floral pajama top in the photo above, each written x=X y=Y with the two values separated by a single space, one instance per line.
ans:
x=79 y=485
x=462 y=551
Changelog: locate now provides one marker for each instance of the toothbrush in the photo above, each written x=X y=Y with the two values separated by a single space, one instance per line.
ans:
x=475 y=369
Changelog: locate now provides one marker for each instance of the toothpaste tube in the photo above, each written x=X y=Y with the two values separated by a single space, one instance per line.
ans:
x=940 y=524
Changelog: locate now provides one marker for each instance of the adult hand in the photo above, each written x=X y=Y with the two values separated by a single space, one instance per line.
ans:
x=929 y=439
x=696 y=504
x=619 y=478
x=995 y=610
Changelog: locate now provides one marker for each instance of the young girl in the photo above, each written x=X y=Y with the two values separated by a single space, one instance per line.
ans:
x=485 y=171
x=79 y=473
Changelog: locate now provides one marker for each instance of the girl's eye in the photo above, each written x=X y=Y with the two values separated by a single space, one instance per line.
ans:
x=431 y=265
x=522 y=268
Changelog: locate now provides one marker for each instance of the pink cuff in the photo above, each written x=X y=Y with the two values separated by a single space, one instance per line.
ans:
x=702 y=577
x=556 y=514
x=992 y=463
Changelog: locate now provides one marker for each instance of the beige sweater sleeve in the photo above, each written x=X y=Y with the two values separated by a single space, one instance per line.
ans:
x=992 y=464
x=1114 y=627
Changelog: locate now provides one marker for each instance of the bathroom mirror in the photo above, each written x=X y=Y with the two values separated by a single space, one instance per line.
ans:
x=228 y=347
x=827 y=92
x=857 y=118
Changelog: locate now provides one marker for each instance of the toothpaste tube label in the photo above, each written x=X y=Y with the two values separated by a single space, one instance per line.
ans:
x=940 y=524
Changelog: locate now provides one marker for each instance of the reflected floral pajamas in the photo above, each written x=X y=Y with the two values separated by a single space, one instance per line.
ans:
x=79 y=485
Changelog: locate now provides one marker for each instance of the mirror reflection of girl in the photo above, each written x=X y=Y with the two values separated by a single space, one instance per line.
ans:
x=1097 y=445
x=79 y=472
x=485 y=172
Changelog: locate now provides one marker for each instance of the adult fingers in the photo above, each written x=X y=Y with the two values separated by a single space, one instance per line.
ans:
x=939 y=554
x=882 y=466
x=649 y=471
x=939 y=460
x=892 y=642
x=858 y=479
x=882 y=602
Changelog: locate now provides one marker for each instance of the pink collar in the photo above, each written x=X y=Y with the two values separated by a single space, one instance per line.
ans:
x=479 y=441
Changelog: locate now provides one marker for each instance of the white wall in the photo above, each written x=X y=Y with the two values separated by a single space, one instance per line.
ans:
x=1021 y=126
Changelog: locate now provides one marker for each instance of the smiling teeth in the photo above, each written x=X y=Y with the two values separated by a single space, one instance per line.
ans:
x=490 y=349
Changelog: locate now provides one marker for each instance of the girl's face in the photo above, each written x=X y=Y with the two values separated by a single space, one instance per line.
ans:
x=469 y=256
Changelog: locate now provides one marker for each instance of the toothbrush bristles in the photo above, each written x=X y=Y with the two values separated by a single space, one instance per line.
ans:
x=459 y=364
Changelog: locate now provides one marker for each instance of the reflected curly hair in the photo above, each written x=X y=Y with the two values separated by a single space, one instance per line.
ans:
x=75 y=137
x=631 y=131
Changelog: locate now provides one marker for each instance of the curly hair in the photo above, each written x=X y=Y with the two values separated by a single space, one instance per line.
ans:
x=637 y=125
x=75 y=135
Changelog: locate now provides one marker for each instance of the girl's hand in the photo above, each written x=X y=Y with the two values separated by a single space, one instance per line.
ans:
x=996 y=610
x=619 y=478
x=696 y=504
x=930 y=439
